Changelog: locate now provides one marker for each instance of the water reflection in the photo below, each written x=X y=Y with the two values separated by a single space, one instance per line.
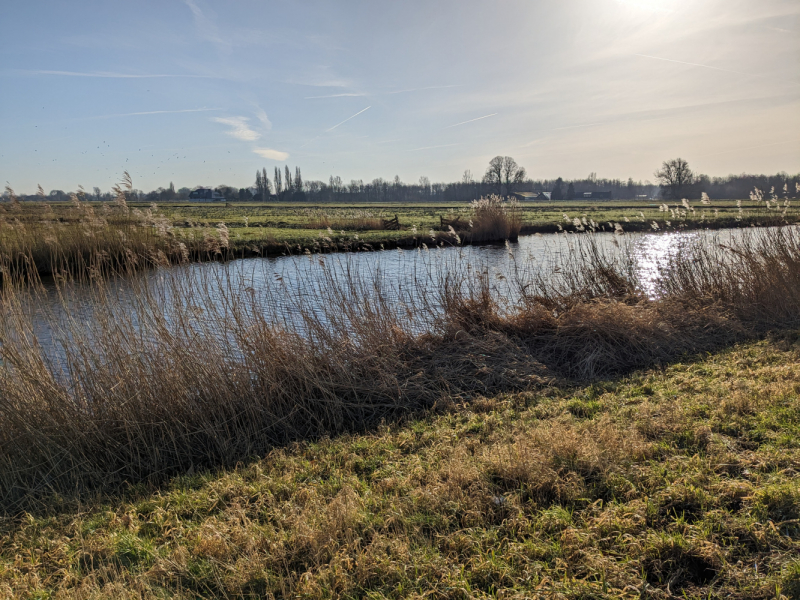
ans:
x=285 y=288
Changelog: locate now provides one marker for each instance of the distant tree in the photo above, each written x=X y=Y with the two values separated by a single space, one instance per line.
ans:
x=287 y=182
x=503 y=171
x=673 y=177
x=259 y=185
x=425 y=184
x=631 y=191
x=467 y=177
x=278 y=182
x=299 y=193
x=265 y=183
x=98 y=193
x=570 y=191
x=557 y=193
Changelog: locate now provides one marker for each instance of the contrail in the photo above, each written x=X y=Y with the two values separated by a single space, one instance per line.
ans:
x=347 y=119
x=107 y=74
x=431 y=147
x=334 y=96
x=432 y=87
x=155 y=112
x=680 y=62
x=471 y=121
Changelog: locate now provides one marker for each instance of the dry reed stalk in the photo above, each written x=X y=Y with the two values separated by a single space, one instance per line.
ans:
x=195 y=373
x=494 y=219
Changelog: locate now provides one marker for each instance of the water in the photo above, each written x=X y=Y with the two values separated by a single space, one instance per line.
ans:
x=287 y=289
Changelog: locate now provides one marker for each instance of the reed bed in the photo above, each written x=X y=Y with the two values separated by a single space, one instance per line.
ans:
x=491 y=219
x=83 y=241
x=149 y=380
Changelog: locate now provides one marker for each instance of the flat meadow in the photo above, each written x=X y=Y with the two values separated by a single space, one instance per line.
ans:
x=583 y=437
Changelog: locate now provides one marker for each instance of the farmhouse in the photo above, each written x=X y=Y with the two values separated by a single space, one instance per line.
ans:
x=206 y=195
x=533 y=195
x=594 y=195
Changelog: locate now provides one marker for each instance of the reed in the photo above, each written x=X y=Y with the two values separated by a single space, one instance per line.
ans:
x=172 y=374
x=80 y=241
x=494 y=219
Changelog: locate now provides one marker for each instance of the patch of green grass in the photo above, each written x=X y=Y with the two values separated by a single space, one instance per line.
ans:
x=676 y=481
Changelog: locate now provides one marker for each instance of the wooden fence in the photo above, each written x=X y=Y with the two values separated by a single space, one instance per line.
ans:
x=391 y=224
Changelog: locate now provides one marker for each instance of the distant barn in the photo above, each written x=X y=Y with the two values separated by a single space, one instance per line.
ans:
x=206 y=195
x=593 y=195
x=533 y=195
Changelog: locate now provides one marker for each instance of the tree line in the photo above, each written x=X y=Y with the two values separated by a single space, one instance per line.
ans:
x=503 y=176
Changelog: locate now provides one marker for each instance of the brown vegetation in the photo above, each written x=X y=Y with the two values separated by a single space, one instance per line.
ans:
x=197 y=374
x=494 y=219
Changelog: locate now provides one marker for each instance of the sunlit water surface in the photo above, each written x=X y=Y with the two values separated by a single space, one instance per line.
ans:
x=284 y=288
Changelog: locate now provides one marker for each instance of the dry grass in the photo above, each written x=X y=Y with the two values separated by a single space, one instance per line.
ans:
x=194 y=373
x=342 y=220
x=494 y=219
x=680 y=482
x=78 y=241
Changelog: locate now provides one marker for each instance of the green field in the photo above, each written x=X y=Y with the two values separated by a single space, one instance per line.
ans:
x=301 y=223
x=675 y=482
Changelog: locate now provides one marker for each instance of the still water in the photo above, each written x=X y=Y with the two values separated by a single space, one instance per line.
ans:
x=407 y=282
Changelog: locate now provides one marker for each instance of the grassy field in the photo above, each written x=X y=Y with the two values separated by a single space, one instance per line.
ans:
x=674 y=482
x=302 y=223
x=84 y=238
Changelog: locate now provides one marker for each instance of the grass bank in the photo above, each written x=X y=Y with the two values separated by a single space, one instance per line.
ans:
x=680 y=481
x=83 y=238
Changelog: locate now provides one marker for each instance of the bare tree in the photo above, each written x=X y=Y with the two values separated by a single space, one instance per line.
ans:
x=265 y=183
x=425 y=184
x=673 y=176
x=288 y=182
x=259 y=186
x=504 y=171
x=278 y=182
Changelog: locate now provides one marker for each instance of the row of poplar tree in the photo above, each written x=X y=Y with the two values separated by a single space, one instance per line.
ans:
x=283 y=185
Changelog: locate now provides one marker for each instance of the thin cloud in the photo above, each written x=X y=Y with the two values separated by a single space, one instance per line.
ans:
x=432 y=147
x=156 y=112
x=334 y=96
x=751 y=148
x=205 y=26
x=432 y=87
x=562 y=129
x=691 y=64
x=360 y=94
x=262 y=117
x=110 y=74
x=238 y=128
x=271 y=154
x=347 y=119
x=471 y=120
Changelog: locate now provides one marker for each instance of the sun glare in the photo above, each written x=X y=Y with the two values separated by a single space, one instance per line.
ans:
x=657 y=6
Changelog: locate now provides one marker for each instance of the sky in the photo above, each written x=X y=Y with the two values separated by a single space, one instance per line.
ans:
x=204 y=92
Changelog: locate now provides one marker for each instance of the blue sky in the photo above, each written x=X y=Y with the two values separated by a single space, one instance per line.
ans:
x=204 y=92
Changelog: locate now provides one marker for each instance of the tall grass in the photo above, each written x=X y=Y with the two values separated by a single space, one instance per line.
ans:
x=180 y=373
x=495 y=219
x=80 y=240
